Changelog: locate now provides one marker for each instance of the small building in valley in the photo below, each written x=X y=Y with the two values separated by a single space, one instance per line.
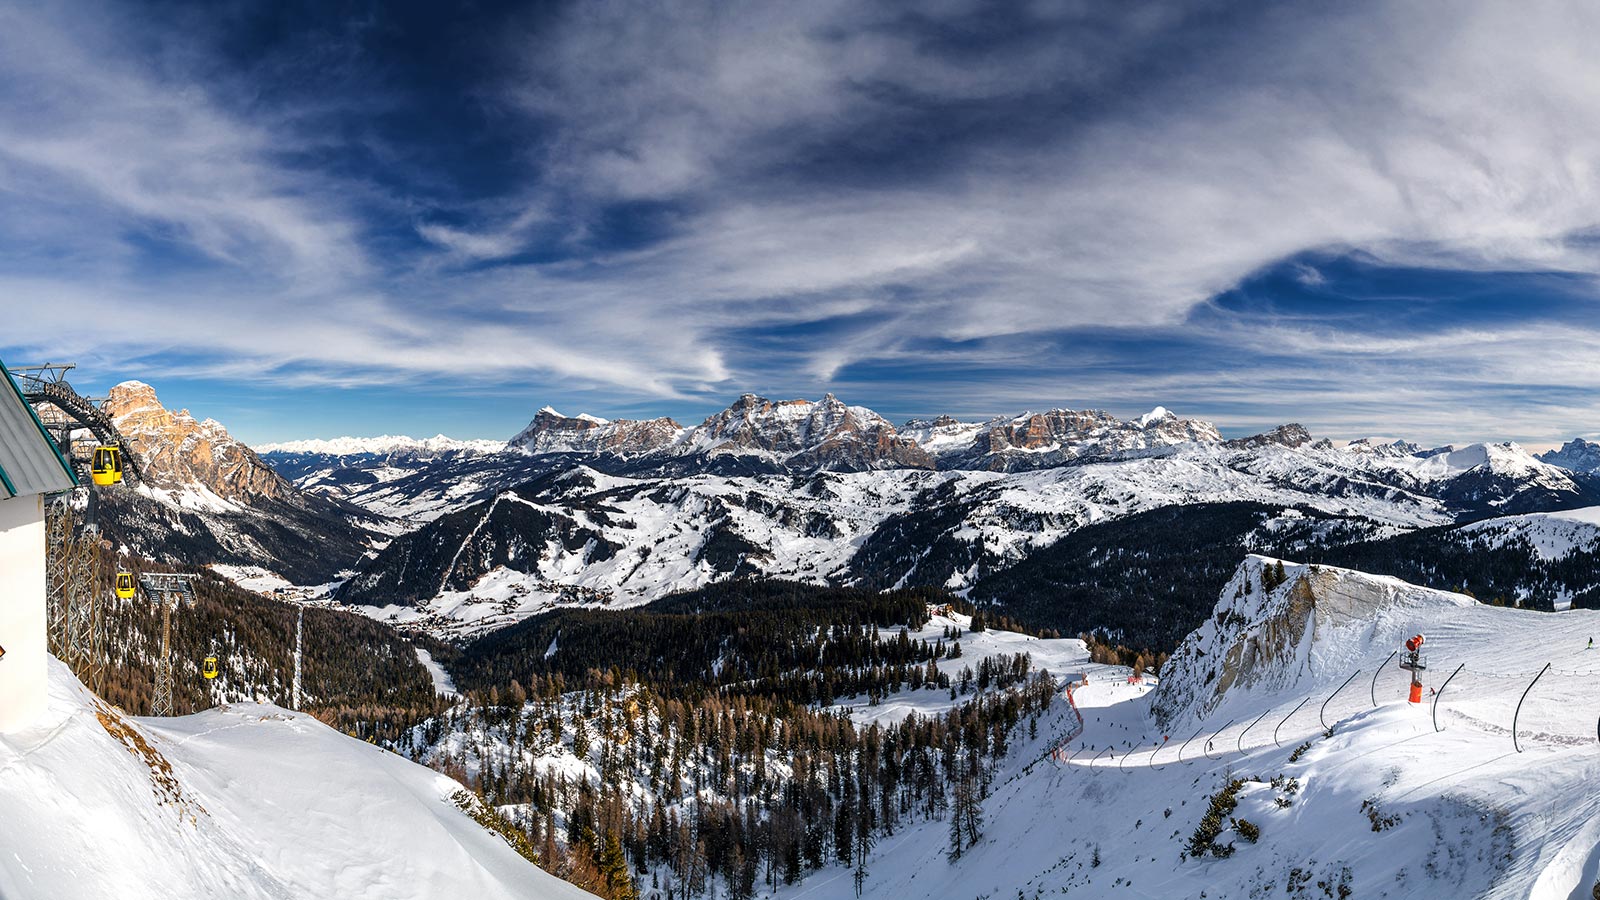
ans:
x=31 y=467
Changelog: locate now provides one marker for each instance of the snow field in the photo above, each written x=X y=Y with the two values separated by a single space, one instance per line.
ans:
x=1384 y=807
x=244 y=801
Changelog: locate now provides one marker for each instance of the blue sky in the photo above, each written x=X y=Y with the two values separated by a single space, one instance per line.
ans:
x=315 y=219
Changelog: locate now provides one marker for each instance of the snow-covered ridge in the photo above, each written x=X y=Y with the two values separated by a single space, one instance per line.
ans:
x=1314 y=626
x=383 y=445
x=246 y=801
x=1552 y=535
x=1349 y=789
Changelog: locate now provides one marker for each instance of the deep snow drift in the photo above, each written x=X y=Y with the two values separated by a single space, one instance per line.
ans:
x=244 y=801
x=1385 y=806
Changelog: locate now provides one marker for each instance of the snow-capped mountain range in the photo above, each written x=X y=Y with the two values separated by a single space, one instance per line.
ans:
x=1577 y=454
x=830 y=435
x=383 y=445
x=583 y=509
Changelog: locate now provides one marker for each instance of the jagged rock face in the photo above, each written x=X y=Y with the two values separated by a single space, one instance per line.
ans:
x=1060 y=436
x=177 y=451
x=1290 y=435
x=826 y=434
x=1577 y=454
x=799 y=434
x=1268 y=636
x=551 y=432
x=1375 y=447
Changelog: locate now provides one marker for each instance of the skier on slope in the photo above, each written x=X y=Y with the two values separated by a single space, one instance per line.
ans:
x=1591 y=644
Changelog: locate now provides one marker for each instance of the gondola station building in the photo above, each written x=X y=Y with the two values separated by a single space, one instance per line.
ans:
x=31 y=467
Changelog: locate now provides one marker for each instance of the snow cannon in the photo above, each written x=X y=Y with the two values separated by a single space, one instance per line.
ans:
x=1414 y=662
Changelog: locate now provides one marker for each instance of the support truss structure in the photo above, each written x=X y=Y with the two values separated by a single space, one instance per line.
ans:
x=169 y=591
x=76 y=586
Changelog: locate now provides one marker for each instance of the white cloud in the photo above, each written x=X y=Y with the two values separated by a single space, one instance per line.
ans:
x=1115 y=166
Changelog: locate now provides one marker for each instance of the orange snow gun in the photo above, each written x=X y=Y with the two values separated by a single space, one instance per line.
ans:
x=1414 y=662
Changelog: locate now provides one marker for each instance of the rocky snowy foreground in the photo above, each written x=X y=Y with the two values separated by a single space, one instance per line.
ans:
x=244 y=801
x=1277 y=757
x=1385 y=806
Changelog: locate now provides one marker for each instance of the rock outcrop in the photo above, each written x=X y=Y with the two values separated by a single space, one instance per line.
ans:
x=777 y=435
x=179 y=452
x=552 y=432
x=206 y=499
x=1280 y=626
x=1577 y=455
x=1291 y=435
x=825 y=434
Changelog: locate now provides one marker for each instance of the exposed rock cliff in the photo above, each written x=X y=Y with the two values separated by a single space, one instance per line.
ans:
x=1315 y=625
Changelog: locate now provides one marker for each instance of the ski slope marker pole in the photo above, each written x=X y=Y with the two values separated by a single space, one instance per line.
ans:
x=1440 y=693
x=1186 y=743
x=1518 y=713
x=1321 y=713
x=1287 y=718
x=1247 y=730
x=1375 y=675
x=1097 y=759
x=1207 y=750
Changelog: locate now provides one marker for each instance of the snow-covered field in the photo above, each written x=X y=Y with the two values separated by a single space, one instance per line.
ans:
x=1384 y=807
x=245 y=801
x=1062 y=657
x=1552 y=535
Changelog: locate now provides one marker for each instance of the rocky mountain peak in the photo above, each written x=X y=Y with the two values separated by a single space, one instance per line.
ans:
x=826 y=433
x=1291 y=435
x=552 y=432
x=180 y=453
x=1382 y=447
x=1578 y=455
x=1063 y=435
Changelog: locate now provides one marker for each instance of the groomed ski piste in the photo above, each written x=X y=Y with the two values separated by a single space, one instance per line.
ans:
x=243 y=801
x=1376 y=804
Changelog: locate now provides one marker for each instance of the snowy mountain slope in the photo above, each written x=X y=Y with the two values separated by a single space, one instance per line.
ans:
x=584 y=538
x=1552 y=535
x=207 y=498
x=243 y=801
x=630 y=540
x=1060 y=656
x=412 y=485
x=1384 y=807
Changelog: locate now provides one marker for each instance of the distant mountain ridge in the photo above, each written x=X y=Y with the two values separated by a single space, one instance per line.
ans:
x=383 y=445
x=207 y=498
x=1577 y=454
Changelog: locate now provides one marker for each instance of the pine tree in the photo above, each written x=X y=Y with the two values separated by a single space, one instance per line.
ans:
x=614 y=869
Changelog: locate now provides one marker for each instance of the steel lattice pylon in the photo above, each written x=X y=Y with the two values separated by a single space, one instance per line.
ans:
x=75 y=611
x=169 y=591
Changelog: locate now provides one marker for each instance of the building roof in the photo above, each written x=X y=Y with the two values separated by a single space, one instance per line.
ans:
x=30 y=462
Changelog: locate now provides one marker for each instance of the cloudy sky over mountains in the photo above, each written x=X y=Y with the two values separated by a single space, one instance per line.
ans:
x=308 y=219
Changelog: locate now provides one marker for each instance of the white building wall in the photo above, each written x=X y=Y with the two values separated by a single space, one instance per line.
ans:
x=22 y=609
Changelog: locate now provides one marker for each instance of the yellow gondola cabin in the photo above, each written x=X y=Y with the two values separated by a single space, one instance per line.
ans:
x=125 y=585
x=106 y=468
x=209 y=670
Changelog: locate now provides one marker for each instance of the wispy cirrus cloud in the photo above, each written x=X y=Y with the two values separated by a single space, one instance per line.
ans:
x=1012 y=205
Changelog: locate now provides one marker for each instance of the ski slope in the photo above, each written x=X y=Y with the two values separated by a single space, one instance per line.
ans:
x=245 y=801
x=1061 y=657
x=1385 y=806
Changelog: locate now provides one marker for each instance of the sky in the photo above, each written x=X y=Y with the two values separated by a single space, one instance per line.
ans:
x=318 y=219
